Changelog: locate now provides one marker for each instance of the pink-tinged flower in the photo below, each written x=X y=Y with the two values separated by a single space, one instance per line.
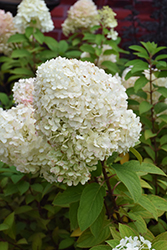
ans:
x=82 y=15
x=6 y=30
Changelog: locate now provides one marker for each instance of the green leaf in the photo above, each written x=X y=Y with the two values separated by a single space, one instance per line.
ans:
x=160 y=245
x=98 y=170
x=148 y=205
x=73 y=215
x=20 y=53
x=29 y=31
x=150 y=152
x=51 y=43
x=140 y=83
x=23 y=71
x=148 y=134
x=164 y=147
x=16 y=177
x=4 y=226
x=23 y=209
x=115 y=233
x=17 y=38
x=163 y=118
x=87 y=240
x=102 y=247
x=91 y=204
x=160 y=107
x=159 y=203
x=111 y=66
x=63 y=46
x=126 y=231
x=37 y=187
x=161 y=236
x=160 y=57
x=9 y=220
x=76 y=41
x=70 y=195
x=87 y=48
x=162 y=91
x=23 y=186
x=99 y=38
x=163 y=139
x=150 y=168
x=73 y=54
x=4 y=245
x=89 y=37
x=22 y=241
x=144 y=107
x=47 y=54
x=137 y=154
x=130 y=179
x=66 y=243
x=98 y=223
x=4 y=98
x=39 y=36
x=139 y=222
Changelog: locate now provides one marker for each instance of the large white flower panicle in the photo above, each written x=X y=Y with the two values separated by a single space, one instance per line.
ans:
x=33 y=13
x=134 y=243
x=83 y=14
x=82 y=112
x=22 y=91
x=6 y=30
x=102 y=57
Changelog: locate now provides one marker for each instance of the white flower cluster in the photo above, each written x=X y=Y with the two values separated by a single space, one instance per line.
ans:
x=134 y=243
x=22 y=91
x=161 y=82
x=107 y=19
x=6 y=30
x=33 y=13
x=82 y=112
x=102 y=57
x=19 y=143
x=83 y=14
x=23 y=147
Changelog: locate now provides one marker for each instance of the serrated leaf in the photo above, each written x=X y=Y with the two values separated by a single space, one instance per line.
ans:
x=144 y=107
x=140 y=83
x=91 y=204
x=148 y=205
x=70 y=195
x=130 y=179
x=126 y=231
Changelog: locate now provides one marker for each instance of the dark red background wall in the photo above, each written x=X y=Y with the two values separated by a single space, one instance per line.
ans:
x=144 y=7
